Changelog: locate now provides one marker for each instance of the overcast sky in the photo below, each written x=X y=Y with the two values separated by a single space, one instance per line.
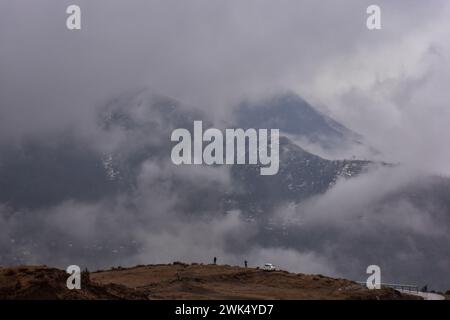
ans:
x=389 y=85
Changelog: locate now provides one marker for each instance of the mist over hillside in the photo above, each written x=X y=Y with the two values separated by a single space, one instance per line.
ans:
x=119 y=200
x=86 y=117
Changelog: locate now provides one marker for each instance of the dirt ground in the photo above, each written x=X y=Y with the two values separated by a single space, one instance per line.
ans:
x=182 y=281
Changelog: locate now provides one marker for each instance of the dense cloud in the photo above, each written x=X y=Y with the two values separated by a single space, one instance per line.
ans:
x=210 y=54
x=59 y=91
x=359 y=222
x=364 y=221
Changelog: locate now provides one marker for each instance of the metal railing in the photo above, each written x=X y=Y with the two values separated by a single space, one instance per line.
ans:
x=403 y=287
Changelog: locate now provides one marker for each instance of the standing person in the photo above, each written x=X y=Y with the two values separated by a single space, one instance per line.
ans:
x=215 y=260
x=245 y=262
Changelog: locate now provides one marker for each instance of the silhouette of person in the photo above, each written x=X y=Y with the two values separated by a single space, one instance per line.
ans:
x=215 y=260
x=246 y=264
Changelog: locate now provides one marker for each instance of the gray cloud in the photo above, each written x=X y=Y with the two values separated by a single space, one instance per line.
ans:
x=388 y=85
x=211 y=54
x=386 y=217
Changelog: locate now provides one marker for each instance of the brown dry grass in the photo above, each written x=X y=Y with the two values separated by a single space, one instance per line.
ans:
x=43 y=283
x=182 y=281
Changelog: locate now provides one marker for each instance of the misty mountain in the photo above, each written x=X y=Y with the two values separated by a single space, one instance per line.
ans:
x=41 y=173
x=301 y=175
x=125 y=177
x=294 y=116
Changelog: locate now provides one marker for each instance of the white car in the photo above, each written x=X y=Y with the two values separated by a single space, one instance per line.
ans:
x=269 y=267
